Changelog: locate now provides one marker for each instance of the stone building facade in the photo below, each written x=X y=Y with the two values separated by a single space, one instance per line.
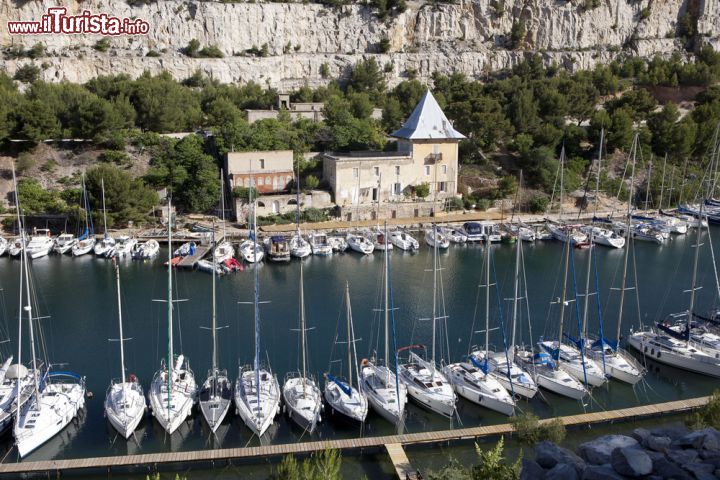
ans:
x=267 y=171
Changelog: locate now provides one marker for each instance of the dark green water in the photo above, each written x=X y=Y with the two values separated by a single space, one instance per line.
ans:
x=79 y=294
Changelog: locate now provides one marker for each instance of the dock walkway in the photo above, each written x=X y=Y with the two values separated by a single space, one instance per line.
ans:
x=191 y=260
x=392 y=443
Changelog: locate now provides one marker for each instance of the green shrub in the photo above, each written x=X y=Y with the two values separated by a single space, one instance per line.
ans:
x=115 y=156
x=384 y=45
x=211 y=51
x=517 y=34
x=422 y=190
x=311 y=182
x=49 y=165
x=314 y=215
x=28 y=73
x=324 y=465
x=24 y=163
x=152 y=53
x=529 y=430
x=538 y=204
x=36 y=51
x=244 y=192
x=102 y=45
x=325 y=70
x=708 y=415
x=482 y=204
x=192 y=48
x=454 y=203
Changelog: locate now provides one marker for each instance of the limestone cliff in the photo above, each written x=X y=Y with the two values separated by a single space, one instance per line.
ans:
x=471 y=36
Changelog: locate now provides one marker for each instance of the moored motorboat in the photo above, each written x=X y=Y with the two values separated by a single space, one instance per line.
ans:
x=404 y=241
x=319 y=244
x=359 y=243
x=40 y=244
x=277 y=248
x=64 y=243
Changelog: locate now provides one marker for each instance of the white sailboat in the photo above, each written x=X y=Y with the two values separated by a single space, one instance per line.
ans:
x=616 y=362
x=380 y=384
x=40 y=244
x=339 y=392
x=86 y=241
x=124 y=401
x=502 y=365
x=471 y=378
x=299 y=247
x=108 y=242
x=257 y=392
x=425 y=383
x=215 y=394
x=320 y=244
x=251 y=251
x=547 y=368
x=50 y=408
x=223 y=250
x=302 y=397
x=360 y=243
x=64 y=243
x=3 y=245
x=123 y=247
x=404 y=241
x=173 y=388
x=435 y=238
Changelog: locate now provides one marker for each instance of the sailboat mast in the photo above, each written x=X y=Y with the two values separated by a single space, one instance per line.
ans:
x=222 y=202
x=214 y=310
x=628 y=240
x=647 y=191
x=662 y=183
x=518 y=246
x=22 y=279
x=597 y=175
x=102 y=183
x=672 y=187
x=564 y=298
x=170 y=365
x=256 y=301
x=120 y=325
x=387 y=306
x=434 y=294
x=351 y=340
x=302 y=329
x=487 y=298
x=562 y=176
x=691 y=307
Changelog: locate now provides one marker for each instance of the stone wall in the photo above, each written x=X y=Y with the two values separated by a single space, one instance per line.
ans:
x=469 y=36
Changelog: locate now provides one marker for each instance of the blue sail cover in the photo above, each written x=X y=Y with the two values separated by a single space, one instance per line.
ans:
x=345 y=388
x=482 y=366
x=684 y=335
x=604 y=343
x=554 y=352
x=579 y=342
x=543 y=359
x=84 y=235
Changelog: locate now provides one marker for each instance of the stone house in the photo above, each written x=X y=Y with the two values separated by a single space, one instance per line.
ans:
x=268 y=171
x=427 y=152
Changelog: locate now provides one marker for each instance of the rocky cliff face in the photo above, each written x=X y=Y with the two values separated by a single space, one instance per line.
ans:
x=471 y=36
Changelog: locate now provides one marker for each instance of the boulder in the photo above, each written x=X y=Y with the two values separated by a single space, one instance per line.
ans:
x=707 y=438
x=681 y=457
x=598 y=451
x=640 y=434
x=658 y=444
x=600 y=472
x=547 y=455
x=664 y=468
x=631 y=461
x=530 y=470
x=673 y=431
x=702 y=471
x=562 y=471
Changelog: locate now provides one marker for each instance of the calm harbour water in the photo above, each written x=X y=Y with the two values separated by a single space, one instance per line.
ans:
x=79 y=295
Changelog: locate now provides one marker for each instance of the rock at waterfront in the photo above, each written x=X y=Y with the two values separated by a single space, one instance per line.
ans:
x=631 y=461
x=600 y=472
x=707 y=438
x=548 y=455
x=674 y=432
x=681 y=457
x=666 y=469
x=562 y=471
x=598 y=451
x=702 y=471
x=659 y=444
x=531 y=470
x=640 y=434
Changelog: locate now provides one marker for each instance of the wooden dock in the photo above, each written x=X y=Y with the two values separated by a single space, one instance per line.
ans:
x=191 y=261
x=392 y=443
